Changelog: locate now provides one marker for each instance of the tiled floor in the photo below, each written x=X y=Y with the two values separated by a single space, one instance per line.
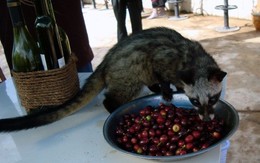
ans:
x=238 y=53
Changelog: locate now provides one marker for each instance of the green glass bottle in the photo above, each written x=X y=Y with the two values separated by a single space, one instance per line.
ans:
x=25 y=54
x=46 y=36
x=65 y=44
x=60 y=38
x=46 y=43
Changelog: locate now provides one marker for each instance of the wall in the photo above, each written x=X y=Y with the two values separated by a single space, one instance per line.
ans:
x=207 y=7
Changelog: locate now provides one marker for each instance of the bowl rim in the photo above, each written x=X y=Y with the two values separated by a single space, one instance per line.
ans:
x=175 y=157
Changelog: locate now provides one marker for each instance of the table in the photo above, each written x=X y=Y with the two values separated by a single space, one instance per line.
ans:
x=75 y=139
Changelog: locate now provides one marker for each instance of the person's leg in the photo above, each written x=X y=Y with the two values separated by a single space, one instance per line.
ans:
x=6 y=32
x=135 y=9
x=119 y=7
x=87 y=68
x=158 y=9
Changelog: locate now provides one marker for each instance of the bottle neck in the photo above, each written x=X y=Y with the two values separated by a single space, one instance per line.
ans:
x=15 y=12
x=50 y=9
x=41 y=8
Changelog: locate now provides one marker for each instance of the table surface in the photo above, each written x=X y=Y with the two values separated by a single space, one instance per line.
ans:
x=77 y=138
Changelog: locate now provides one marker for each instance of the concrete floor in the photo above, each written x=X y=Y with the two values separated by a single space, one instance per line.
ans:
x=238 y=53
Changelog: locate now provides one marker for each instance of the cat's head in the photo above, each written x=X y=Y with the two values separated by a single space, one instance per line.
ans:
x=203 y=88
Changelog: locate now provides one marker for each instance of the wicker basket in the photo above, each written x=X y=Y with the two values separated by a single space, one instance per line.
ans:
x=47 y=88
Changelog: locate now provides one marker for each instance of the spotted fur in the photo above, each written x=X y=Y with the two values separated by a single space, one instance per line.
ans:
x=156 y=58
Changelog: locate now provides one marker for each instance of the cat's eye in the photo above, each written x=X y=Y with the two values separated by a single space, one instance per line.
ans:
x=212 y=101
x=195 y=102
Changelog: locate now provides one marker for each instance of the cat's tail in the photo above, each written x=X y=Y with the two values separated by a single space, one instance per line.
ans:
x=94 y=85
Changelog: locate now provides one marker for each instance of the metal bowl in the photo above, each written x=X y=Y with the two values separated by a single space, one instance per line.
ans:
x=223 y=110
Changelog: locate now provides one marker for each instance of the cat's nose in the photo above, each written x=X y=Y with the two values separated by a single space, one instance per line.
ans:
x=206 y=118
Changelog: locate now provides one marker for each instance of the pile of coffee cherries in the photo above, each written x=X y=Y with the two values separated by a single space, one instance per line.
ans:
x=167 y=131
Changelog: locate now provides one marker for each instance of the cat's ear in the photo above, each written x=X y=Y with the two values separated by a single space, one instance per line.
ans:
x=216 y=74
x=186 y=76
